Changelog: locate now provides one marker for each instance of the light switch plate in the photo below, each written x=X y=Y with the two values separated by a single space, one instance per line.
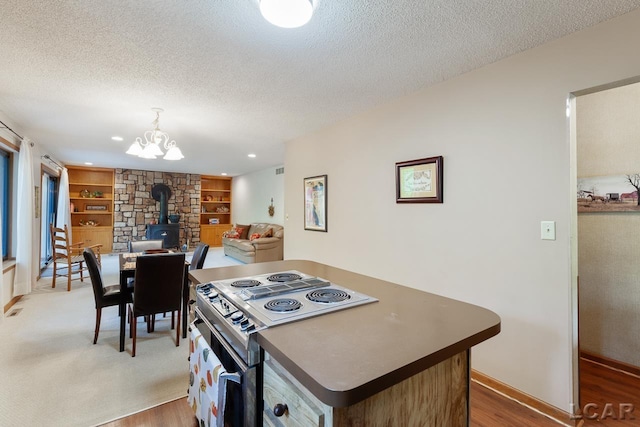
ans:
x=548 y=230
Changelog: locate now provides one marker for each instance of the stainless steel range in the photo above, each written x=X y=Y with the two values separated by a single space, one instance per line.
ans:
x=235 y=309
x=247 y=305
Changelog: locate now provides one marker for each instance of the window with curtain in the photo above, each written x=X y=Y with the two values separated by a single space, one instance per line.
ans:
x=5 y=199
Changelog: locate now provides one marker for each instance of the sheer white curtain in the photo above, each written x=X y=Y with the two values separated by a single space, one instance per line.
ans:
x=63 y=213
x=25 y=258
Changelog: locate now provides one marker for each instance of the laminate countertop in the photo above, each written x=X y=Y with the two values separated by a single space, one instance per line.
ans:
x=346 y=356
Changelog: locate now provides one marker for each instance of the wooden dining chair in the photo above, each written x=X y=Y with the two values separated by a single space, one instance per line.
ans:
x=104 y=296
x=67 y=257
x=157 y=289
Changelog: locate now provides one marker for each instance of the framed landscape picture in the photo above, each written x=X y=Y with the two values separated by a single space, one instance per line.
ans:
x=315 y=203
x=613 y=193
x=419 y=181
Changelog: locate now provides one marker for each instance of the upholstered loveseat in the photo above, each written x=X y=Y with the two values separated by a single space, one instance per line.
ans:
x=258 y=242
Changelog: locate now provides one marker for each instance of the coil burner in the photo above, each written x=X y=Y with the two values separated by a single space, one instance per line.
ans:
x=284 y=277
x=328 y=295
x=283 y=305
x=246 y=283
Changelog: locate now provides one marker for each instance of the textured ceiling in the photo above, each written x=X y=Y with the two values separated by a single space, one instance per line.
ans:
x=74 y=73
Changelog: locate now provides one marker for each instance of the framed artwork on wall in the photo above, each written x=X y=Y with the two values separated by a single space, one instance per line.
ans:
x=419 y=181
x=315 y=203
x=612 y=193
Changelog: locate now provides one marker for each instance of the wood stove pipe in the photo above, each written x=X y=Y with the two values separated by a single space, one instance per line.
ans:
x=162 y=193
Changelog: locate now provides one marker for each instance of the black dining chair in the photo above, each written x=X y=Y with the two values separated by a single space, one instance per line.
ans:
x=105 y=296
x=199 y=255
x=157 y=289
x=197 y=261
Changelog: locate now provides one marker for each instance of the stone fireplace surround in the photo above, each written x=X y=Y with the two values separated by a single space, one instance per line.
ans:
x=134 y=207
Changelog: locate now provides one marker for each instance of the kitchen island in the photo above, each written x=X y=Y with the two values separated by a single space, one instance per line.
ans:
x=402 y=360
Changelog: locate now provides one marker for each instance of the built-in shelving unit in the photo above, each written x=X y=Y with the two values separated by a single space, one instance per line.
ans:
x=215 y=208
x=91 y=197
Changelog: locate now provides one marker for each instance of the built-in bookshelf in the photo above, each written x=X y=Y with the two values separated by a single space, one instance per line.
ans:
x=215 y=208
x=91 y=203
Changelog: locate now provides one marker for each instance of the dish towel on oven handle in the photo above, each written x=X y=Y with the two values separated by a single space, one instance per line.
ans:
x=207 y=381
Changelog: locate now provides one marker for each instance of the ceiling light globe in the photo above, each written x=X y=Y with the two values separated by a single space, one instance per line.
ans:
x=148 y=152
x=154 y=149
x=173 y=153
x=287 y=13
x=135 y=148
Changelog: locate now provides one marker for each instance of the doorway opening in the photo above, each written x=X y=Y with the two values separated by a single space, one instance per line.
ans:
x=49 y=203
x=605 y=179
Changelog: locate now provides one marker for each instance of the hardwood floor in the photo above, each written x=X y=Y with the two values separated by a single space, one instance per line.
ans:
x=599 y=386
x=612 y=394
x=488 y=409
x=174 y=414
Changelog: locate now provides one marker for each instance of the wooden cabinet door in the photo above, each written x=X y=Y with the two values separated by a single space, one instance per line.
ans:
x=219 y=231
x=212 y=234
x=278 y=390
x=208 y=235
x=94 y=235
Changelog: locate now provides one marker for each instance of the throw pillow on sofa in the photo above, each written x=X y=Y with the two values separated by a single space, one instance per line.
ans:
x=244 y=234
x=268 y=233
x=254 y=236
x=234 y=233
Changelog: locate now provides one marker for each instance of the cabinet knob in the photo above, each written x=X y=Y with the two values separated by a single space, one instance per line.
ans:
x=280 y=409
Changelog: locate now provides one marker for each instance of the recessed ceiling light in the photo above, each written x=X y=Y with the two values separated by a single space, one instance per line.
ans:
x=251 y=155
x=287 y=13
x=88 y=163
x=117 y=138
x=223 y=174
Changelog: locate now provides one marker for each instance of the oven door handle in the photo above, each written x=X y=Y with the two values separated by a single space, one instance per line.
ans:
x=243 y=366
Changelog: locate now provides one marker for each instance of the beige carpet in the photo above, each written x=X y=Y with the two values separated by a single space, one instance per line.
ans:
x=52 y=375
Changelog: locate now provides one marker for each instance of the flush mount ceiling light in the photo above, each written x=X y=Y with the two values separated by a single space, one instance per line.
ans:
x=287 y=13
x=153 y=139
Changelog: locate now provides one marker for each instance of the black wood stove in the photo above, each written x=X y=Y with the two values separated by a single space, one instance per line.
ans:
x=170 y=233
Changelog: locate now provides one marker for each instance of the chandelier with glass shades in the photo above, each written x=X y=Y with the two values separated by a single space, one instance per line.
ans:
x=153 y=140
x=287 y=13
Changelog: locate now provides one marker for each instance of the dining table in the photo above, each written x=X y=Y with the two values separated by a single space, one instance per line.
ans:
x=127 y=265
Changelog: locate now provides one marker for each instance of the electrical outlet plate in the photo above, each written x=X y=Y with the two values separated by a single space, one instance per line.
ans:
x=548 y=230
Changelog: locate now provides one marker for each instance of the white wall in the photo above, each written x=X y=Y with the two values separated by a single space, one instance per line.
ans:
x=252 y=195
x=504 y=136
